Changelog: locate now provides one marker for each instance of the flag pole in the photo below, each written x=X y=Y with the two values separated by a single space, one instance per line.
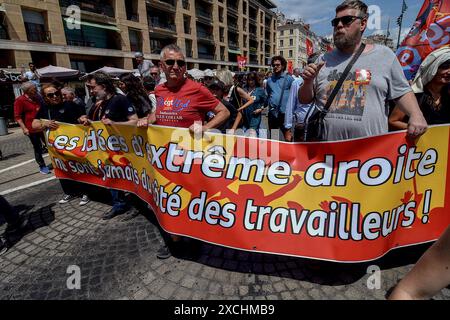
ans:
x=400 y=29
x=388 y=33
x=400 y=22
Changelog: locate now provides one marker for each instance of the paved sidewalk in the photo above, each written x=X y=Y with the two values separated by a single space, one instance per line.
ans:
x=117 y=259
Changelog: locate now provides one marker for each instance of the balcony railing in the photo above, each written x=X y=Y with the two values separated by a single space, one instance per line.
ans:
x=168 y=5
x=233 y=10
x=253 y=50
x=233 y=45
x=38 y=36
x=154 y=22
x=233 y=26
x=202 y=35
x=209 y=56
x=133 y=17
x=202 y=13
x=90 y=6
x=80 y=43
x=252 y=20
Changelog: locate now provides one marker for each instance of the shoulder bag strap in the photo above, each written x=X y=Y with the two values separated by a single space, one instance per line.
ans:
x=344 y=76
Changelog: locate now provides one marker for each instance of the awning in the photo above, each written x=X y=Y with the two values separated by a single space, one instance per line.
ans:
x=95 y=25
x=56 y=72
x=234 y=51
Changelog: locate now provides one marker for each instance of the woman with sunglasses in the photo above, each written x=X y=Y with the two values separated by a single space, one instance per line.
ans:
x=252 y=114
x=431 y=87
x=57 y=110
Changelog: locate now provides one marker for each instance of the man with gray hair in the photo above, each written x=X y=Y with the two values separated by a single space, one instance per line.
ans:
x=143 y=65
x=381 y=82
x=296 y=74
x=25 y=109
x=68 y=94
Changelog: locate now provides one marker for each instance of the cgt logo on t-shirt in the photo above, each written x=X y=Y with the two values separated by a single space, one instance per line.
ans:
x=173 y=104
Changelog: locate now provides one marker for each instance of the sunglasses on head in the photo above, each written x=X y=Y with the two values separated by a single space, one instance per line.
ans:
x=276 y=65
x=53 y=94
x=171 y=62
x=346 y=20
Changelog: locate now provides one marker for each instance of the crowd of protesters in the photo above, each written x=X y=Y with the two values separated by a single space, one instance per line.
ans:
x=376 y=99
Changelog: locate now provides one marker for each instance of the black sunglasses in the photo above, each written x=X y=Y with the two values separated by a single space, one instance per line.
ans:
x=53 y=94
x=346 y=20
x=171 y=62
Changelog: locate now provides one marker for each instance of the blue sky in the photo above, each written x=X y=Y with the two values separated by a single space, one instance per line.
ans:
x=319 y=13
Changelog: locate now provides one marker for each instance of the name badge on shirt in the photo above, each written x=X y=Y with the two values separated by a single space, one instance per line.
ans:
x=363 y=76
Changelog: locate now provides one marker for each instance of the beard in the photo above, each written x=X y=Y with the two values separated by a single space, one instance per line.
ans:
x=101 y=95
x=344 y=41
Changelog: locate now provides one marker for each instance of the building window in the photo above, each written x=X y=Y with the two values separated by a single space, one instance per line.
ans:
x=3 y=31
x=282 y=32
x=187 y=24
x=291 y=42
x=281 y=52
x=290 y=53
x=186 y=5
x=35 y=26
x=131 y=8
x=281 y=43
x=291 y=31
x=135 y=40
x=220 y=14
x=188 y=44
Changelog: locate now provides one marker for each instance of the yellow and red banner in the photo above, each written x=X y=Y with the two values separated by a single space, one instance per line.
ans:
x=347 y=201
x=430 y=31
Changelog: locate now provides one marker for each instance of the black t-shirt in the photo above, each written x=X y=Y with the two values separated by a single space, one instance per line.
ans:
x=67 y=112
x=118 y=109
x=142 y=106
x=230 y=121
x=432 y=114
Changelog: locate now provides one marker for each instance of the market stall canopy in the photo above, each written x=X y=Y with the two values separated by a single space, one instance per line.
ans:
x=196 y=73
x=113 y=72
x=57 y=72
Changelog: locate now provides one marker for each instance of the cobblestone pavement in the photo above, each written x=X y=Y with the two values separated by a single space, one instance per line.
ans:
x=117 y=260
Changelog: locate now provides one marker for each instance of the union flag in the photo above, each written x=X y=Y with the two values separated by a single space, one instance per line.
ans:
x=430 y=31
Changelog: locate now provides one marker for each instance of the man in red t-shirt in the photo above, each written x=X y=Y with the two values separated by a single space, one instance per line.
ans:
x=181 y=102
x=25 y=109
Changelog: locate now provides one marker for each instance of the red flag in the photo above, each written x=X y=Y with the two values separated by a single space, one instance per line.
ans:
x=290 y=67
x=242 y=61
x=309 y=47
x=430 y=31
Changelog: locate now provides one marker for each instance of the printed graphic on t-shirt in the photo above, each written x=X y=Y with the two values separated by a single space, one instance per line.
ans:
x=350 y=100
x=171 y=107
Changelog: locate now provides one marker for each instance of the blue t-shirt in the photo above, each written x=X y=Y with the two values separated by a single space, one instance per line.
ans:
x=274 y=90
x=251 y=120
